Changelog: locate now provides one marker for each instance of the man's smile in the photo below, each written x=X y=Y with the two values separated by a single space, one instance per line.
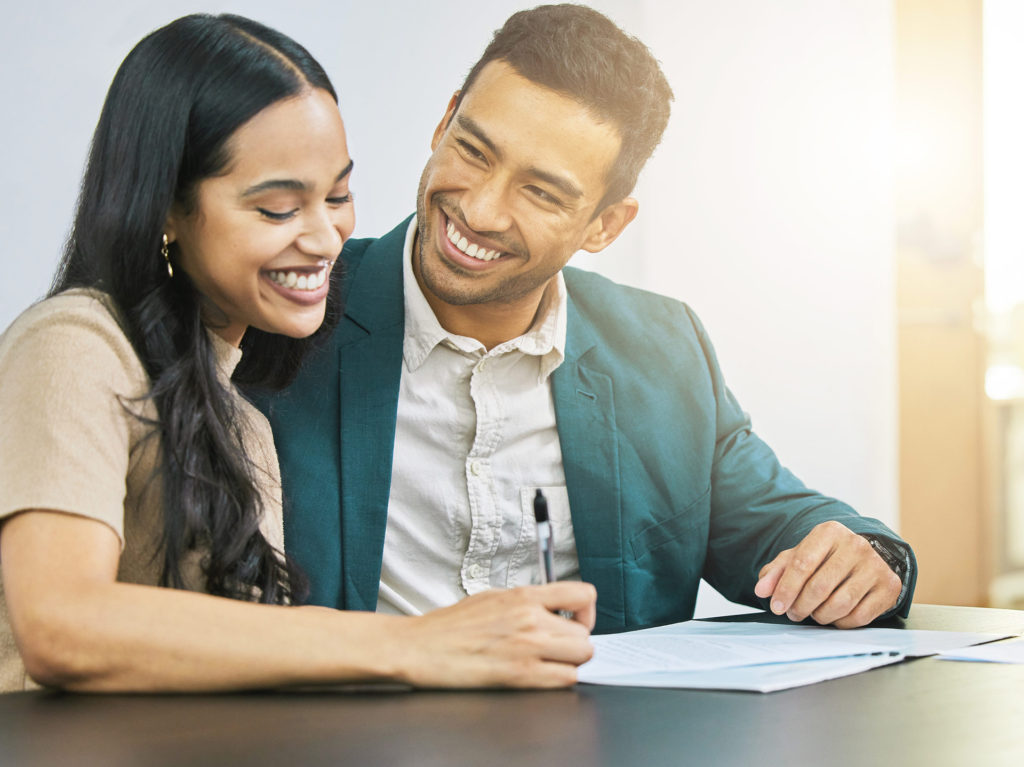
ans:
x=460 y=241
x=465 y=248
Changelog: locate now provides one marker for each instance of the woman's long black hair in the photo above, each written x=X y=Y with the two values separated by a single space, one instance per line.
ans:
x=174 y=104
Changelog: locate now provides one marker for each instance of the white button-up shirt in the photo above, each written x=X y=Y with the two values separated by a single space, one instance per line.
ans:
x=475 y=439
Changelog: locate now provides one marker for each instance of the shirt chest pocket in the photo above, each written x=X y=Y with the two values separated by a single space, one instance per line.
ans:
x=525 y=568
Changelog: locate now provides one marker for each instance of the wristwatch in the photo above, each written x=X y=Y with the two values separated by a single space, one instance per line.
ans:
x=886 y=549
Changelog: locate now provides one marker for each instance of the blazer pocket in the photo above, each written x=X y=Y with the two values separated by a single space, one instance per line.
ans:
x=693 y=520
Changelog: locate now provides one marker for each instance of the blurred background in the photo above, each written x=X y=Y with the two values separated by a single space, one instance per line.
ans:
x=839 y=195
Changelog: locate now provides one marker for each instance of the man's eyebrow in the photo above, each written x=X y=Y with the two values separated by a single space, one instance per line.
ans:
x=469 y=125
x=562 y=184
x=290 y=184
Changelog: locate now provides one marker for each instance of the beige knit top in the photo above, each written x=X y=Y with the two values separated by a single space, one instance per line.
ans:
x=71 y=391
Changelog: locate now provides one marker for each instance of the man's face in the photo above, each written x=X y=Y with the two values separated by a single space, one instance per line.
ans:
x=510 y=193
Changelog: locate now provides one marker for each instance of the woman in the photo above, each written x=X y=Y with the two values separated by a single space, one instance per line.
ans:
x=142 y=544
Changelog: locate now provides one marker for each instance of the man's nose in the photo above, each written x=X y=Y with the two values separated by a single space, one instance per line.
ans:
x=486 y=205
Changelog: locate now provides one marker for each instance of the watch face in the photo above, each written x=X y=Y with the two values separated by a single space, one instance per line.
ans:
x=894 y=562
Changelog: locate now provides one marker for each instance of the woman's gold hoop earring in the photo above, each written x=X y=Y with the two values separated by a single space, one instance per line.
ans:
x=167 y=257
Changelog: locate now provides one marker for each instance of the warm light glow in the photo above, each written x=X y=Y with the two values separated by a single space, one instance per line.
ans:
x=1004 y=382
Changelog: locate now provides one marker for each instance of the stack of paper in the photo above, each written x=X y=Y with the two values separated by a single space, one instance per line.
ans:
x=755 y=656
x=1004 y=652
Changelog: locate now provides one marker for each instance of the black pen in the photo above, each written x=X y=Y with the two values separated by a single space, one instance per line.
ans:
x=545 y=544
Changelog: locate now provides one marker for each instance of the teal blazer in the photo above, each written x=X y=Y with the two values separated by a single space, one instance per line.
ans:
x=666 y=480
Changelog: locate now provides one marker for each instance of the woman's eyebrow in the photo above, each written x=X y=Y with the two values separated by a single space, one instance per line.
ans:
x=291 y=184
x=345 y=171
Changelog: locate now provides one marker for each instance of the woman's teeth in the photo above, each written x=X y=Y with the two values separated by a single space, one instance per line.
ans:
x=470 y=248
x=295 y=281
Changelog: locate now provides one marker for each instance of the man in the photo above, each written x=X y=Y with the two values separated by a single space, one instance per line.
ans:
x=473 y=367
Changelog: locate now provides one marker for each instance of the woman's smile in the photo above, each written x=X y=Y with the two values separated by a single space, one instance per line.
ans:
x=301 y=284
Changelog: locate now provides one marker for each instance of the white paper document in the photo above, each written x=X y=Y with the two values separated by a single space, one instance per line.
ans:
x=755 y=656
x=767 y=677
x=1002 y=652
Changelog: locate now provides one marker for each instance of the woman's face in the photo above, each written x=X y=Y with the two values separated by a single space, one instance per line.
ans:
x=261 y=238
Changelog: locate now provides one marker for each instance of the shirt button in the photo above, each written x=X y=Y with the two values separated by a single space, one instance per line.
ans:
x=474 y=468
x=481 y=366
x=476 y=571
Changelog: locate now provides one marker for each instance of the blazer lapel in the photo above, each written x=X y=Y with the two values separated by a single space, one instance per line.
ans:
x=585 y=412
x=370 y=356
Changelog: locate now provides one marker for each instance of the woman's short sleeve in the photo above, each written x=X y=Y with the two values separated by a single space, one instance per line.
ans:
x=69 y=385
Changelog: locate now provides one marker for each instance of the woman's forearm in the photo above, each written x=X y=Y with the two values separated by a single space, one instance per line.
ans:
x=80 y=629
x=124 y=637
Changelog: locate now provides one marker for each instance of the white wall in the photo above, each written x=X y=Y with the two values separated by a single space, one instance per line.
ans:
x=768 y=209
x=767 y=206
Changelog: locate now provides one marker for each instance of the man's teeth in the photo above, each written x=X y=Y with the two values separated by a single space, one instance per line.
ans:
x=297 y=281
x=470 y=249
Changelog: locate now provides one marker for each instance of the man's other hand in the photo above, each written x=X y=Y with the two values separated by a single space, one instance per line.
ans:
x=833 y=575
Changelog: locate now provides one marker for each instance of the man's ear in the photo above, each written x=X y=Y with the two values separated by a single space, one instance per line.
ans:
x=609 y=223
x=443 y=125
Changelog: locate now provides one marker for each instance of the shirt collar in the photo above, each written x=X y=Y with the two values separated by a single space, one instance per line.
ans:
x=423 y=333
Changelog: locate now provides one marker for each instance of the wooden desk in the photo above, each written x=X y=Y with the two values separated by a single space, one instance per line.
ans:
x=920 y=712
